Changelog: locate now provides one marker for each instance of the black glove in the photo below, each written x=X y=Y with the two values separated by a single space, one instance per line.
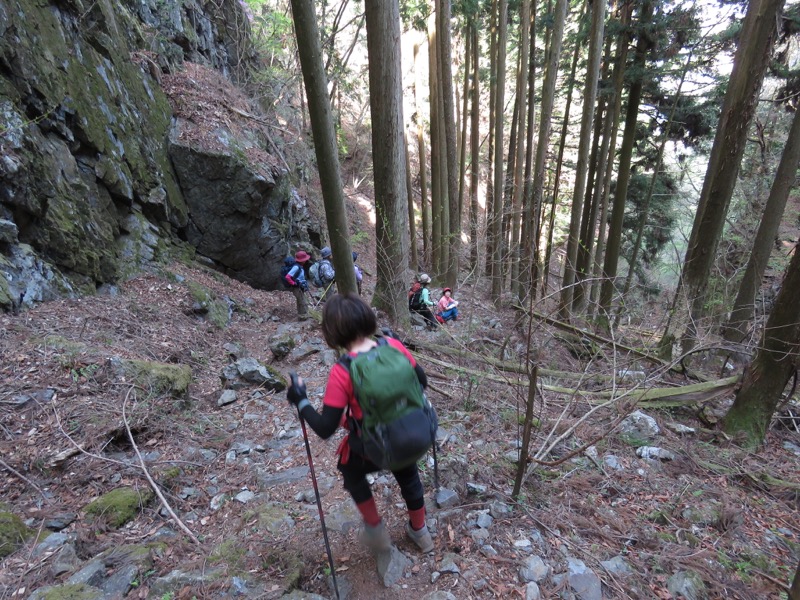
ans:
x=296 y=391
x=389 y=333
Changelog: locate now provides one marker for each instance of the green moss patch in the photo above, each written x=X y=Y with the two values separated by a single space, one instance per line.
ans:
x=161 y=378
x=13 y=532
x=118 y=506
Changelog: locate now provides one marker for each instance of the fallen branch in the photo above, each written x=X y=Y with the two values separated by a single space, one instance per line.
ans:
x=11 y=469
x=153 y=484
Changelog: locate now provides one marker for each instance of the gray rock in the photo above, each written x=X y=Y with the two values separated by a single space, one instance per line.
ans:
x=176 y=580
x=688 y=585
x=65 y=561
x=448 y=563
x=446 y=498
x=680 y=428
x=9 y=232
x=475 y=488
x=391 y=566
x=281 y=345
x=251 y=371
x=480 y=535
x=639 y=427
x=612 y=462
x=59 y=521
x=219 y=500
x=654 y=453
x=244 y=497
x=532 y=591
x=583 y=581
x=301 y=595
x=488 y=551
x=791 y=447
x=484 y=520
x=120 y=581
x=227 y=397
x=303 y=351
x=268 y=480
x=93 y=573
x=52 y=542
x=534 y=569
x=499 y=509
x=617 y=566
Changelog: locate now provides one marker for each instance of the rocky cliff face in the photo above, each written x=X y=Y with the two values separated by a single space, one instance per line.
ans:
x=101 y=175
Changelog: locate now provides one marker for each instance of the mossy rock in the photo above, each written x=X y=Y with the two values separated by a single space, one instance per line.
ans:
x=269 y=517
x=118 y=506
x=68 y=591
x=13 y=532
x=217 y=310
x=161 y=378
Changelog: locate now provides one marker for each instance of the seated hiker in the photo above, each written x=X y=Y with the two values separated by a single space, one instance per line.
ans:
x=359 y=275
x=349 y=323
x=420 y=302
x=294 y=277
x=447 y=307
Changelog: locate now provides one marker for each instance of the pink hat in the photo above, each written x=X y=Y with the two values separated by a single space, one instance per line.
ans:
x=301 y=256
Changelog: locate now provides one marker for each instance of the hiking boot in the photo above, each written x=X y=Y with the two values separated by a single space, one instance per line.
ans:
x=375 y=538
x=421 y=538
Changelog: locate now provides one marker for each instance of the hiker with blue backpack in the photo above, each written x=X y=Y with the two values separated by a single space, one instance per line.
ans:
x=293 y=277
x=377 y=387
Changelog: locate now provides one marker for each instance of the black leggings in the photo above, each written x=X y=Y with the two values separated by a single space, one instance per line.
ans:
x=355 y=481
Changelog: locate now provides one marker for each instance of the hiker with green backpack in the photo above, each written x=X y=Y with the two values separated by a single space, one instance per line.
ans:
x=378 y=387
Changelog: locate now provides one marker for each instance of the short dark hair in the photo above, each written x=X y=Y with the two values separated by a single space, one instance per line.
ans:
x=345 y=319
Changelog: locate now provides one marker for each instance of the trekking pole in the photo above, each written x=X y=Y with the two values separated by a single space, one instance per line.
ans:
x=325 y=291
x=293 y=376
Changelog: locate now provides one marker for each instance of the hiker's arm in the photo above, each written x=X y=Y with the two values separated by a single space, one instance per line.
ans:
x=325 y=424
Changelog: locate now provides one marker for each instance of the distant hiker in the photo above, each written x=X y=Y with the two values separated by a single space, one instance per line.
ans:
x=420 y=302
x=447 y=307
x=294 y=277
x=349 y=323
x=359 y=275
x=323 y=274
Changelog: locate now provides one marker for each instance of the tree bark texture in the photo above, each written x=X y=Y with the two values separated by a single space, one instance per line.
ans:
x=589 y=98
x=749 y=64
x=327 y=153
x=611 y=261
x=773 y=365
x=499 y=102
x=388 y=157
x=743 y=307
x=453 y=239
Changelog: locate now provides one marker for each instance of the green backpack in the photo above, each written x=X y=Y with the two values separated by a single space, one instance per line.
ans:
x=399 y=424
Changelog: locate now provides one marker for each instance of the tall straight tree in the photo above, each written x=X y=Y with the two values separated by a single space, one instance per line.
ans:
x=773 y=365
x=743 y=307
x=423 y=162
x=519 y=162
x=610 y=263
x=388 y=157
x=759 y=29
x=444 y=39
x=474 y=142
x=499 y=102
x=589 y=97
x=545 y=123
x=327 y=153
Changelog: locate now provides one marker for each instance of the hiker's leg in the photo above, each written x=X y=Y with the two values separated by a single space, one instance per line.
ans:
x=413 y=493
x=300 y=300
x=354 y=474
x=374 y=535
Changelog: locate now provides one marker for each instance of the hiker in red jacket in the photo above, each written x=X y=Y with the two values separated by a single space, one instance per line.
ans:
x=349 y=323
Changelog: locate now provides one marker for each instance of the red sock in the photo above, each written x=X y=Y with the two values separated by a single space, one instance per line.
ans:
x=369 y=512
x=417 y=518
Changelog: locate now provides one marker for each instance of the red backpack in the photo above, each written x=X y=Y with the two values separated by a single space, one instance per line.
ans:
x=415 y=296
